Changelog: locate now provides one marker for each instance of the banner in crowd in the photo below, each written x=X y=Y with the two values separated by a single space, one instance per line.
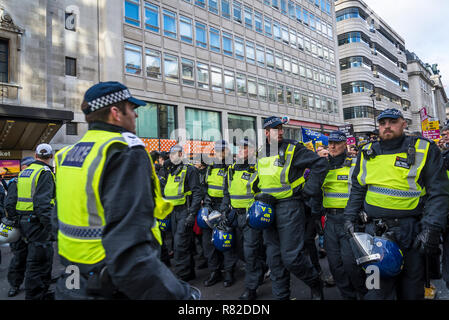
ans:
x=349 y=132
x=310 y=136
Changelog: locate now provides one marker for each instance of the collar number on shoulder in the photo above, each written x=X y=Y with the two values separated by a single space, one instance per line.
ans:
x=132 y=140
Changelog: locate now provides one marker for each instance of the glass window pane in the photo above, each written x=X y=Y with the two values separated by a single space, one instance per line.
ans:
x=237 y=9
x=250 y=54
x=169 y=24
x=239 y=50
x=227 y=44
x=185 y=29
x=244 y=123
x=268 y=31
x=187 y=72
x=229 y=80
x=171 y=68
x=248 y=17
x=260 y=56
x=252 y=87
x=153 y=63
x=132 y=15
x=213 y=6
x=133 y=59
x=280 y=93
x=270 y=59
x=241 y=84
x=214 y=36
x=272 y=96
x=202 y=76
x=216 y=79
x=200 y=124
x=225 y=9
x=279 y=63
x=201 y=36
x=258 y=22
x=146 y=122
x=262 y=89
x=151 y=17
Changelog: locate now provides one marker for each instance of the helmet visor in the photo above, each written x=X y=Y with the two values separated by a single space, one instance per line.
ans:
x=362 y=247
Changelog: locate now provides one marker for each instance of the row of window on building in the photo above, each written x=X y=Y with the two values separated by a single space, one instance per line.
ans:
x=205 y=76
x=364 y=86
x=376 y=49
x=355 y=12
x=363 y=62
x=245 y=15
x=224 y=42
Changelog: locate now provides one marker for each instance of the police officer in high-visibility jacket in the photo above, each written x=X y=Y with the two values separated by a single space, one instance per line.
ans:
x=35 y=202
x=349 y=278
x=183 y=190
x=242 y=186
x=109 y=198
x=280 y=167
x=216 y=183
x=19 y=249
x=401 y=184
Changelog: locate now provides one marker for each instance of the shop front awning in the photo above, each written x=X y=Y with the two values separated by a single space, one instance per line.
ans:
x=23 y=128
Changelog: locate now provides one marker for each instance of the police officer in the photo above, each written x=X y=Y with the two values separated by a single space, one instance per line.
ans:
x=348 y=276
x=19 y=249
x=242 y=186
x=445 y=154
x=280 y=167
x=401 y=184
x=35 y=202
x=216 y=183
x=201 y=166
x=108 y=199
x=183 y=190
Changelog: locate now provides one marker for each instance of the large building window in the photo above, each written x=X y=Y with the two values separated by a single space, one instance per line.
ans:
x=132 y=12
x=237 y=9
x=133 y=59
x=216 y=79
x=239 y=48
x=358 y=112
x=213 y=6
x=214 y=36
x=171 y=68
x=203 y=125
x=202 y=75
x=246 y=124
x=169 y=24
x=227 y=44
x=355 y=62
x=241 y=84
x=229 y=81
x=151 y=17
x=225 y=9
x=350 y=37
x=185 y=29
x=248 y=17
x=187 y=71
x=153 y=63
x=356 y=87
x=4 y=58
x=155 y=121
x=350 y=13
x=201 y=35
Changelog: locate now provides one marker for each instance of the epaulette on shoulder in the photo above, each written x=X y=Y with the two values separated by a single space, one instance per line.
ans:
x=132 y=140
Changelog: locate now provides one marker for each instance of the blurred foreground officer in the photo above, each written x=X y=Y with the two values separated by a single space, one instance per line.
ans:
x=242 y=186
x=216 y=183
x=349 y=277
x=401 y=184
x=109 y=197
x=35 y=202
x=19 y=249
x=183 y=190
x=280 y=168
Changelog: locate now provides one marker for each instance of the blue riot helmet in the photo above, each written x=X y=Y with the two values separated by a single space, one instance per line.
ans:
x=222 y=239
x=213 y=219
x=165 y=224
x=377 y=251
x=201 y=218
x=261 y=213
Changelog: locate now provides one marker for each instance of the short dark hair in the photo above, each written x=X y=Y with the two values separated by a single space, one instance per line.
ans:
x=445 y=128
x=43 y=157
x=103 y=113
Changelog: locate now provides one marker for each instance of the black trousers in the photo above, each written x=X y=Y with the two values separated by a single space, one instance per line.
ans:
x=250 y=249
x=17 y=266
x=409 y=284
x=285 y=248
x=349 y=278
x=182 y=239
x=39 y=260
x=309 y=241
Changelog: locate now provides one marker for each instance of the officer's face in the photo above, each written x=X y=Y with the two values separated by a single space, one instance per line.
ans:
x=391 y=128
x=245 y=152
x=176 y=157
x=275 y=134
x=336 y=148
x=127 y=120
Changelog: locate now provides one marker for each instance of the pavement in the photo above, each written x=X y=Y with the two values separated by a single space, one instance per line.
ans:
x=299 y=291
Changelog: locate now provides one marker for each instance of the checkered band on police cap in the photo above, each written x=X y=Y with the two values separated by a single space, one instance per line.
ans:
x=108 y=100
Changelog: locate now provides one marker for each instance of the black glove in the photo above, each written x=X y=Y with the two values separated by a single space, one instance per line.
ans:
x=428 y=241
x=317 y=223
x=190 y=221
x=349 y=227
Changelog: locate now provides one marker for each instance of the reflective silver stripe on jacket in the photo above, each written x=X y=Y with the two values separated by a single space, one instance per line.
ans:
x=25 y=199
x=419 y=158
x=364 y=173
x=275 y=190
x=174 y=197
x=244 y=197
x=336 y=195
x=394 y=192
x=84 y=233
x=216 y=187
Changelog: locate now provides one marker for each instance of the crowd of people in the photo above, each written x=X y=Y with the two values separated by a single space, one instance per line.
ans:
x=112 y=207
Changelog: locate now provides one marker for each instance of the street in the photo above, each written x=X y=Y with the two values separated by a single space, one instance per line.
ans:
x=299 y=290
